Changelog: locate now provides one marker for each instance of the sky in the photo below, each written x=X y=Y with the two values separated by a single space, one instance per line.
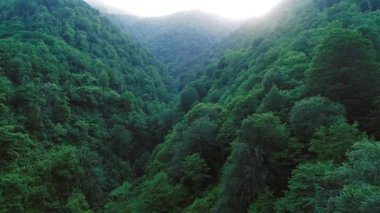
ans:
x=234 y=9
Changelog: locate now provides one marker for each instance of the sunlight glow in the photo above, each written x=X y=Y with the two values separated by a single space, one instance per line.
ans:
x=235 y=9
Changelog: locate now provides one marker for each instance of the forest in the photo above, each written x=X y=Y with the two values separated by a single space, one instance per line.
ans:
x=278 y=114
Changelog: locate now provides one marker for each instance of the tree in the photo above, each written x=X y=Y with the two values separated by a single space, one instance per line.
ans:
x=77 y=203
x=275 y=101
x=351 y=187
x=158 y=194
x=332 y=143
x=199 y=137
x=188 y=97
x=197 y=172
x=243 y=179
x=310 y=113
x=344 y=70
x=104 y=79
x=303 y=187
x=264 y=131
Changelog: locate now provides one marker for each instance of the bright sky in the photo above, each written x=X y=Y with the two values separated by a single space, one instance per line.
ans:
x=236 y=9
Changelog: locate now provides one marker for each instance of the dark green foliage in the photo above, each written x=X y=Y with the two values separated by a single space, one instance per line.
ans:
x=264 y=203
x=309 y=114
x=243 y=179
x=196 y=171
x=158 y=194
x=75 y=97
x=188 y=97
x=264 y=131
x=248 y=169
x=282 y=116
x=344 y=70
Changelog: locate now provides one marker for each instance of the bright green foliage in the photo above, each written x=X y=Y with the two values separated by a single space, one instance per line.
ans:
x=353 y=186
x=332 y=143
x=303 y=188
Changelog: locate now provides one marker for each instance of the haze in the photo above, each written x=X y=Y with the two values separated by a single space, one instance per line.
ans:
x=234 y=9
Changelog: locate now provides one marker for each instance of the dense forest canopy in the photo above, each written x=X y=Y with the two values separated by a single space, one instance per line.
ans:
x=282 y=115
x=79 y=104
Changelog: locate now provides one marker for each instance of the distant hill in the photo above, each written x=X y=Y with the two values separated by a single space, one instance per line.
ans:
x=176 y=40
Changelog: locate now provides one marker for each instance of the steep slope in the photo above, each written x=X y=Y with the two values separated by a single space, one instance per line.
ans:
x=79 y=106
x=177 y=40
x=294 y=97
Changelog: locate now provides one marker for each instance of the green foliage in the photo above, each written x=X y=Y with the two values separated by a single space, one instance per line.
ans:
x=332 y=143
x=260 y=124
x=158 y=195
x=77 y=204
x=275 y=101
x=353 y=186
x=244 y=177
x=188 y=97
x=263 y=204
x=248 y=169
x=309 y=114
x=178 y=40
x=119 y=198
x=206 y=202
x=72 y=89
x=303 y=188
x=196 y=172
x=264 y=131
x=344 y=70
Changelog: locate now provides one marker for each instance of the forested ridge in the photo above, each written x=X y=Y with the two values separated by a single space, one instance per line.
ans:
x=79 y=105
x=283 y=115
x=178 y=40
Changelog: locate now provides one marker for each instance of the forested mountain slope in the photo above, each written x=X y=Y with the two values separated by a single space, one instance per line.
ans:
x=285 y=121
x=281 y=116
x=179 y=39
x=80 y=104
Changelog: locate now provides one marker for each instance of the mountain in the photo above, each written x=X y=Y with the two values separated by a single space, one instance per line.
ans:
x=179 y=39
x=79 y=101
x=283 y=118
x=280 y=115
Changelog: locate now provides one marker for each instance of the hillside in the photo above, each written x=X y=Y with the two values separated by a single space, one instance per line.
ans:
x=179 y=39
x=278 y=115
x=79 y=103
x=284 y=121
